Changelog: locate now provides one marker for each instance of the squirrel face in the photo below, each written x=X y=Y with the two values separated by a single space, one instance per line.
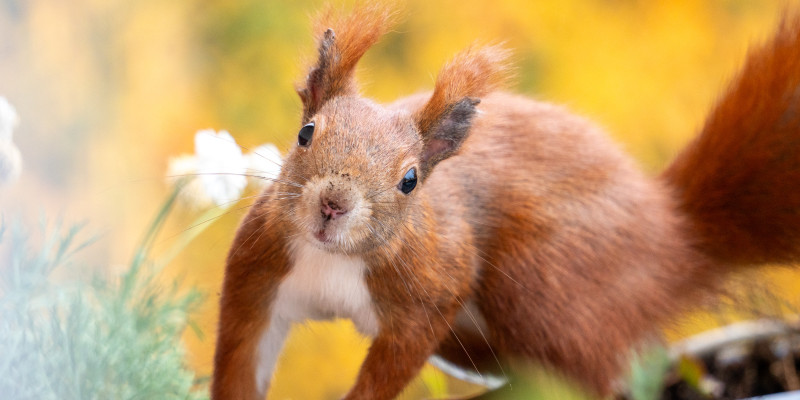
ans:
x=355 y=165
x=358 y=165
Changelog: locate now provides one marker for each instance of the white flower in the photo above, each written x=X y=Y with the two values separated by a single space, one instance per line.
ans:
x=10 y=162
x=220 y=165
x=183 y=169
x=218 y=172
x=10 y=158
x=8 y=120
x=218 y=168
x=264 y=165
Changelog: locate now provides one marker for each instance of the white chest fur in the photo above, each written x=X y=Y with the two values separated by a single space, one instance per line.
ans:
x=322 y=285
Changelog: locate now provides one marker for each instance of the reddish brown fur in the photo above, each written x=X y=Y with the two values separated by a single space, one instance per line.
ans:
x=572 y=255
x=332 y=75
x=738 y=178
x=474 y=72
x=417 y=318
x=247 y=289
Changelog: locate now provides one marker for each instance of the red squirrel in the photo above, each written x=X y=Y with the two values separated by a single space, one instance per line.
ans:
x=491 y=230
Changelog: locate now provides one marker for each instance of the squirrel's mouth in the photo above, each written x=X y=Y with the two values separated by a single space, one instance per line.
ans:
x=332 y=213
x=322 y=236
x=325 y=240
x=326 y=234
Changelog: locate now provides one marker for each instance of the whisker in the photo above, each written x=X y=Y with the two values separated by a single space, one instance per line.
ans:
x=475 y=251
x=292 y=236
x=204 y=222
x=291 y=183
x=436 y=307
x=384 y=241
x=260 y=228
x=246 y=148
x=390 y=258
x=260 y=234
x=419 y=297
x=444 y=319
x=462 y=303
x=279 y=164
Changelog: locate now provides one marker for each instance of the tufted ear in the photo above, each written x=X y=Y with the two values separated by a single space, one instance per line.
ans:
x=342 y=42
x=445 y=120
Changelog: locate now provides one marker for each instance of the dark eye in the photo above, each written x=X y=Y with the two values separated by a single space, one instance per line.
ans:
x=306 y=132
x=409 y=181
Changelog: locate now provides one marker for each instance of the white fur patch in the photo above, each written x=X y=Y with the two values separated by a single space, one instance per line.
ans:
x=320 y=285
x=490 y=381
x=269 y=346
x=323 y=285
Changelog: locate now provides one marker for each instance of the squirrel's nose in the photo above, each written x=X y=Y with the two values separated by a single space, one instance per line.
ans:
x=331 y=210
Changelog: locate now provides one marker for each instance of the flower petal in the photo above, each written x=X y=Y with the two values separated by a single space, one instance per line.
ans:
x=264 y=165
x=8 y=120
x=221 y=166
x=10 y=162
x=182 y=170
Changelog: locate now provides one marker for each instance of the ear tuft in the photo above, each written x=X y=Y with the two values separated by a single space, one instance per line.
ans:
x=343 y=40
x=444 y=122
x=446 y=136
x=474 y=72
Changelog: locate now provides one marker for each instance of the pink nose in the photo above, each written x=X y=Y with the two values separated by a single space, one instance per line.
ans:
x=331 y=210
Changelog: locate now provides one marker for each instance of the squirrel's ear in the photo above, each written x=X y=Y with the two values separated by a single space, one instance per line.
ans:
x=446 y=119
x=342 y=42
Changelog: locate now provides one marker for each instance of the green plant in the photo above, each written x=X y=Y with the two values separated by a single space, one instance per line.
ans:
x=111 y=338
x=648 y=371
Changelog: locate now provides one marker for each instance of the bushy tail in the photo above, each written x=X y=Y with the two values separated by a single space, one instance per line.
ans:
x=739 y=180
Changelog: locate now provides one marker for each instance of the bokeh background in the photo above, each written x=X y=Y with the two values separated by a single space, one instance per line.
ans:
x=108 y=90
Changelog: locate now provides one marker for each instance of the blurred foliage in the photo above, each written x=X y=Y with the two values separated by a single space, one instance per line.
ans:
x=535 y=383
x=114 y=338
x=647 y=374
x=107 y=89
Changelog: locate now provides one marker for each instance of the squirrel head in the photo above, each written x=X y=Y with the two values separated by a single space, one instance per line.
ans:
x=362 y=166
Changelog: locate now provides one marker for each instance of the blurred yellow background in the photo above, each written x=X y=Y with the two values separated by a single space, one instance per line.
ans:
x=108 y=90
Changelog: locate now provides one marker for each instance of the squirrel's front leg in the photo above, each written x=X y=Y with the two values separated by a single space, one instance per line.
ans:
x=250 y=335
x=400 y=350
x=248 y=344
